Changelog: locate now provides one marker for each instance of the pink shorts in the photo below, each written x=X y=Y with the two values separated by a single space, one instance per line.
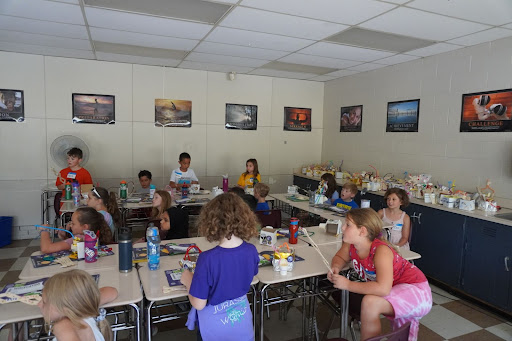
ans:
x=410 y=302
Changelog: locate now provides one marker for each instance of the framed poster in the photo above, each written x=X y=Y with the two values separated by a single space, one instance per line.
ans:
x=89 y=108
x=486 y=111
x=297 y=119
x=351 y=119
x=403 y=116
x=173 y=113
x=241 y=116
x=12 y=105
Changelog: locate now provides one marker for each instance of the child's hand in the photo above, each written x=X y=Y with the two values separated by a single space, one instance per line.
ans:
x=42 y=229
x=186 y=278
x=63 y=235
x=331 y=273
x=340 y=281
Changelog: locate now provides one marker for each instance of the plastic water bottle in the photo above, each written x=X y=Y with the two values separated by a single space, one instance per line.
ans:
x=67 y=189
x=123 y=190
x=152 y=189
x=153 y=239
x=225 y=187
x=76 y=193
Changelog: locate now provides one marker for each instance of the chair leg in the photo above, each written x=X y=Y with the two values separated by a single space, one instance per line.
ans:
x=352 y=330
x=268 y=308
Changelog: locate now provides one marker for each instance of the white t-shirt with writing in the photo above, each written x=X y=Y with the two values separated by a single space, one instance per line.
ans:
x=180 y=177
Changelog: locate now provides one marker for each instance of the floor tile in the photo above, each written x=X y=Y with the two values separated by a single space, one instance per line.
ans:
x=442 y=292
x=9 y=277
x=2 y=273
x=5 y=264
x=290 y=329
x=478 y=336
x=30 y=250
x=35 y=242
x=17 y=243
x=20 y=263
x=440 y=299
x=13 y=252
x=182 y=334
x=447 y=324
x=426 y=333
x=472 y=314
x=503 y=330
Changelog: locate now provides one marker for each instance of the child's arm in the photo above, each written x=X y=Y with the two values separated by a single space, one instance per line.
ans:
x=48 y=247
x=383 y=260
x=64 y=330
x=107 y=294
x=186 y=280
x=406 y=231
x=381 y=213
x=340 y=259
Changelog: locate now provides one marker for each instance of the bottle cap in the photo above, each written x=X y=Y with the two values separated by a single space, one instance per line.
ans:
x=123 y=182
x=152 y=186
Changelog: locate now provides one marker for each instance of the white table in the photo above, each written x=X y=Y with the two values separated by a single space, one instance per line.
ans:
x=304 y=205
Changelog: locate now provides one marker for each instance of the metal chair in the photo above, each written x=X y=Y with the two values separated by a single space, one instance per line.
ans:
x=401 y=334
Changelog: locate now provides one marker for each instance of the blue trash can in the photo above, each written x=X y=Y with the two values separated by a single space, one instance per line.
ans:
x=5 y=231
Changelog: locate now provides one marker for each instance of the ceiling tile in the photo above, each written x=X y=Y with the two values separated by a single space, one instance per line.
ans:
x=256 y=39
x=349 y=12
x=43 y=40
x=282 y=74
x=508 y=26
x=322 y=78
x=344 y=52
x=415 y=23
x=46 y=50
x=123 y=58
x=378 y=40
x=367 y=67
x=224 y=1
x=482 y=37
x=275 y=23
x=145 y=24
x=141 y=51
x=434 y=49
x=305 y=59
x=399 y=2
x=75 y=2
x=226 y=60
x=298 y=68
x=239 y=51
x=396 y=59
x=492 y=12
x=341 y=73
x=43 y=10
x=141 y=39
x=214 y=67
x=42 y=27
x=193 y=10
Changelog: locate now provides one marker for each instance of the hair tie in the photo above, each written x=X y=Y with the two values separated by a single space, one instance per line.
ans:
x=380 y=235
x=102 y=315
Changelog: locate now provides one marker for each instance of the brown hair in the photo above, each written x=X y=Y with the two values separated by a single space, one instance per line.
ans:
x=110 y=201
x=262 y=189
x=351 y=187
x=370 y=219
x=225 y=216
x=75 y=295
x=255 y=172
x=166 y=204
x=96 y=222
x=331 y=184
x=400 y=193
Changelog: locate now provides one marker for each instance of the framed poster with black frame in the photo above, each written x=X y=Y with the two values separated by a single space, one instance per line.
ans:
x=486 y=111
x=403 y=116
x=173 y=113
x=241 y=116
x=90 y=108
x=297 y=119
x=351 y=119
x=12 y=105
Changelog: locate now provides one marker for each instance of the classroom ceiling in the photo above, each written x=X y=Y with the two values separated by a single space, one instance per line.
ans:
x=317 y=40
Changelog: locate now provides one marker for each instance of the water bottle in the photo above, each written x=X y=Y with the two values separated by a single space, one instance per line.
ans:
x=67 y=190
x=152 y=189
x=76 y=193
x=153 y=239
x=294 y=230
x=125 y=250
x=225 y=187
x=123 y=190
x=91 y=248
x=184 y=191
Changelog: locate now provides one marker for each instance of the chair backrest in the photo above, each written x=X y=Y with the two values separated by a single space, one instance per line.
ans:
x=401 y=334
x=56 y=203
x=270 y=218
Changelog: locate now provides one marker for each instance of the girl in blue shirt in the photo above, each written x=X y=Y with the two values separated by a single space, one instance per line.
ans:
x=223 y=275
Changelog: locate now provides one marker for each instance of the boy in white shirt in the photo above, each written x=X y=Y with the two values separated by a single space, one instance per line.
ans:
x=183 y=174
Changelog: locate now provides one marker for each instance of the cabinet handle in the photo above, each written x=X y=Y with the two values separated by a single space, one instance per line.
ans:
x=506 y=263
x=417 y=217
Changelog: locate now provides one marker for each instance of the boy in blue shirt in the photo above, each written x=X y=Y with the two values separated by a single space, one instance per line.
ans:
x=346 y=200
x=260 y=193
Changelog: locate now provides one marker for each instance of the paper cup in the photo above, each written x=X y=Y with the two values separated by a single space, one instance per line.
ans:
x=365 y=203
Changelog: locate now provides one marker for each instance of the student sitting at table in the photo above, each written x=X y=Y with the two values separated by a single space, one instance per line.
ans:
x=74 y=171
x=84 y=218
x=71 y=304
x=174 y=223
x=331 y=191
x=394 y=287
x=218 y=288
x=251 y=176
x=396 y=199
x=145 y=181
x=260 y=193
x=105 y=203
x=346 y=200
x=161 y=203
x=183 y=174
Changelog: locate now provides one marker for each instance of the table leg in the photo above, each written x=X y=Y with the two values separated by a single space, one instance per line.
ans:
x=262 y=308
x=137 y=320
x=344 y=313
x=148 y=316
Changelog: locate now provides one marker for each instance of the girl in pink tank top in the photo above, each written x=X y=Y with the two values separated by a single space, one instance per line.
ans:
x=394 y=287
x=398 y=222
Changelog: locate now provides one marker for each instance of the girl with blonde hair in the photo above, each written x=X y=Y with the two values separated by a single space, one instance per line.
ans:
x=71 y=307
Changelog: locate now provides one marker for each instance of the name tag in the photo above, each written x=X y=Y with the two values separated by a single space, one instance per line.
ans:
x=397 y=227
x=71 y=175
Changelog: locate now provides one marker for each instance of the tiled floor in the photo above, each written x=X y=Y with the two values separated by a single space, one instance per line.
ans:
x=450 y=318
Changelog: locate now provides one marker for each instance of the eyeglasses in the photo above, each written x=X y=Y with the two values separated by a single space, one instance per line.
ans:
x=96 y=193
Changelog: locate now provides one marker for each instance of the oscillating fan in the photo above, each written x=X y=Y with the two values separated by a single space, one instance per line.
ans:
x=60 y=147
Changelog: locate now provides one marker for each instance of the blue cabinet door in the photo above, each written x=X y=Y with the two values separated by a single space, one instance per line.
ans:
x=487 y=270
x=305 y=184
x=438 y=236
x=376 y=201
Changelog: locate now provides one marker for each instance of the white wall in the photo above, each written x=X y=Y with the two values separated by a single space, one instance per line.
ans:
x=119 y=151
x=438 y=148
